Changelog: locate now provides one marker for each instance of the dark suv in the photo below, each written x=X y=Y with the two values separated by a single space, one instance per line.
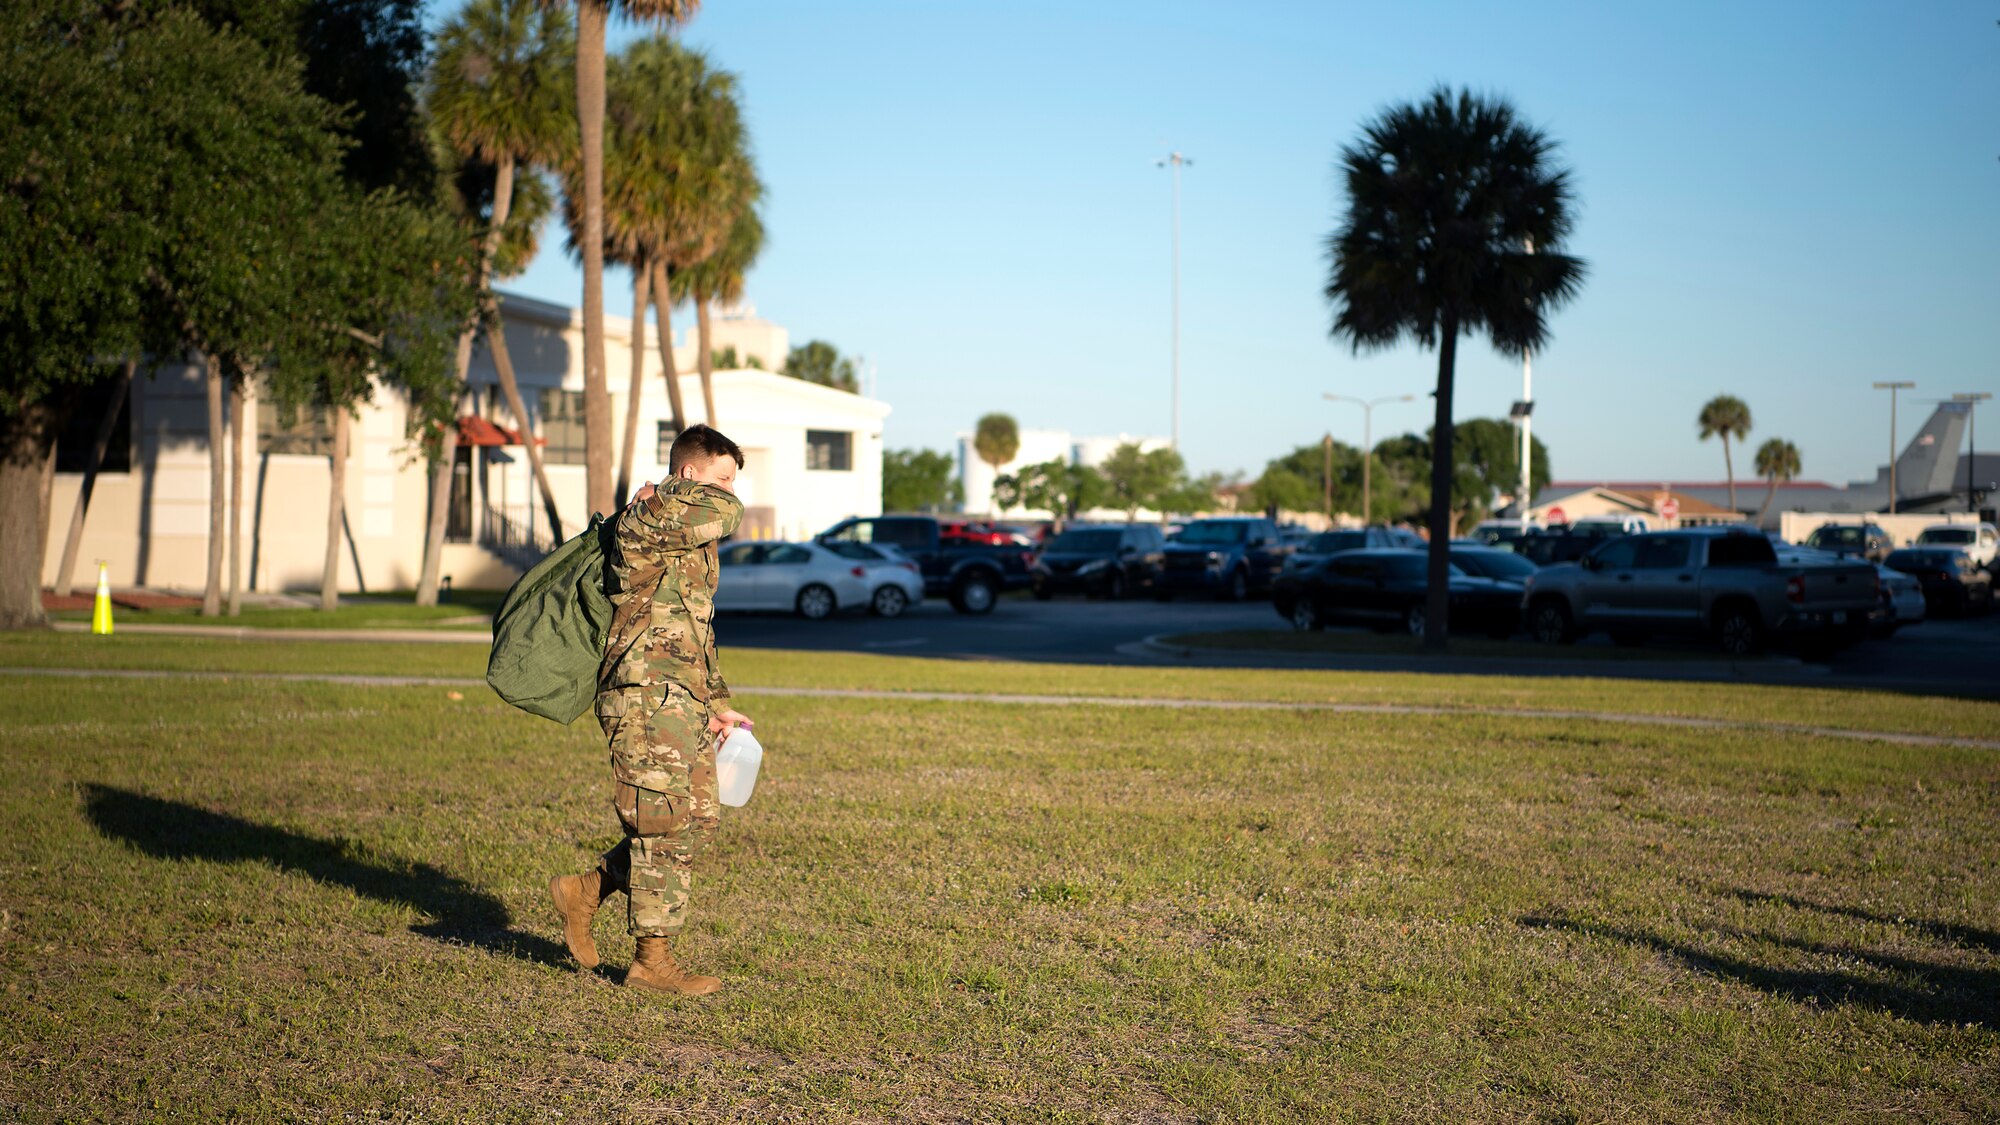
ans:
x=1109 y=562
x=1230 y=557
x=1864 y=539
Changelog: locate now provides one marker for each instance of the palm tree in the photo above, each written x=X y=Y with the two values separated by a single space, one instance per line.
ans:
x=677 y=175
x=1777 y=460
x=1726 y=416
x=591 y=18
x=719 y=278
x=997 y=438
x=1445 y=198
x=498 y=98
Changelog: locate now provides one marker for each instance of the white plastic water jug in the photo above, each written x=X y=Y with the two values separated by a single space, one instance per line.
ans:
x=736 y=767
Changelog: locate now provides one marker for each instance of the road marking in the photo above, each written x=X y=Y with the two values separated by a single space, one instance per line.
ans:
x=1679 y=721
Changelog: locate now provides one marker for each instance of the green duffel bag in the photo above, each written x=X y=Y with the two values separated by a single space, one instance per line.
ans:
x=548 y=635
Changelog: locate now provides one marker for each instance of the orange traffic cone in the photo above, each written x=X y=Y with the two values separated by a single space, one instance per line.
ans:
x=100 y=616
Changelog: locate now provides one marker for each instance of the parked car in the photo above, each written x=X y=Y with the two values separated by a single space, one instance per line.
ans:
x=1317 y=549
x=1902 y=601
x=1864 y=539
x=1953 y=583
x=894 y=579
x=971 y=575
x=1109 y=562
x=1547 y=547
x=1388 y=588
x=958 y=533
x=1604 y=527
x=1491 y=562
x=1727 y=582
x=1502 y=533
x=803 y=578
x=1980 y=541
x=1230 y=557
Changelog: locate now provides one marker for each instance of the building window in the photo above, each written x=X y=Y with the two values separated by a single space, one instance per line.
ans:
x=306 y=430
x=562 y=426
x=830 y=449
x=666 y=451
x=79 y=433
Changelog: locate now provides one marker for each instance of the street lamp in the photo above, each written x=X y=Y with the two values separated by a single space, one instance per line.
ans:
x=1892 y=388
x=1971 y=400
x=1523 y=413
x=1176 y=162
x=1367 y=440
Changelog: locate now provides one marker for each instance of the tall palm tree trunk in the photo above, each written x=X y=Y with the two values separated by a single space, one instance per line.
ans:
x=211 y=595
x=1437 y=584
x=27 y=440
x=1770 y=494
x=441 y=474
x=239 y=398
x=336 y=509
x=591 y=16
x=705 y=359
x=662 y=304
x=642 y=280
x=1729 y=467
x=73 y=542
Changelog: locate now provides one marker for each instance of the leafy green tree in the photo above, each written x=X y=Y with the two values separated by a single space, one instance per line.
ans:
x=1777 y=461
x=996 y=438
x=1057 y=486
x=918 y=480
x=1191 y=495
x=719 y=277
x=1488 y=452
x=1455 y=222
x=1136 y=478
x=1725 y=416
x=817 y=361
x=499 y=99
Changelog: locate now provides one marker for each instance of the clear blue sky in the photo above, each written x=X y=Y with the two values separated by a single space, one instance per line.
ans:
x=1785 y=201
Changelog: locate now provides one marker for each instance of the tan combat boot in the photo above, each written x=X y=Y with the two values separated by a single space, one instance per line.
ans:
x=653 y=967
x=577 y=898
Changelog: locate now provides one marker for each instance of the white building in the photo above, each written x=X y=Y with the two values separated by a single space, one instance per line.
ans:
x=1038 y=447
x=813 y=455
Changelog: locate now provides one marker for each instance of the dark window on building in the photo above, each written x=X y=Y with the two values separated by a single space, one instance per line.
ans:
x=667 y=436
x=305 y=430
x=562 y=426
x=830 y=449
x=79 y=434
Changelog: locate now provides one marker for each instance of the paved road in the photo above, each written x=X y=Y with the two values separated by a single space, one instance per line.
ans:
x=1946 y=657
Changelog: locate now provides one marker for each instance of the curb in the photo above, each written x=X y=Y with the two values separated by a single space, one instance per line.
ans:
x=1787 y=668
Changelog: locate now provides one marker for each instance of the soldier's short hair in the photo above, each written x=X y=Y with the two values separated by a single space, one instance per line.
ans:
x=698 y=445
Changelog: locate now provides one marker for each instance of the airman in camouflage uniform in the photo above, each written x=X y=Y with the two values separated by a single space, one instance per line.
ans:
x=663 y=704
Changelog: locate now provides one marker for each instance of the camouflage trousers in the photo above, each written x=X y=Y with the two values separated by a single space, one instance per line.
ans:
x=663 y=766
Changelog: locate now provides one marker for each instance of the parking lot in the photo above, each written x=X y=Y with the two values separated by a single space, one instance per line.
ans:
x=1944 y=656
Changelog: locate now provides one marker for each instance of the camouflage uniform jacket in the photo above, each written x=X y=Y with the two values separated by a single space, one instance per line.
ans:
x=663 y=557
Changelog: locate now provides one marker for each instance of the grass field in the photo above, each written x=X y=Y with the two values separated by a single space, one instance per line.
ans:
x=264 y=900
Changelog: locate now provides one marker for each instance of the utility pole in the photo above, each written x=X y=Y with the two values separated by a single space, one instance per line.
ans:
x=1174 y=161
x=1971 y=400
x=1327 y=473
x=1892 y=388
x=1367 y=443
x=1525 y=414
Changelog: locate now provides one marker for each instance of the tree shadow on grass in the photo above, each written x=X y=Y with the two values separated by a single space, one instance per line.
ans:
x=1922 y=991
x=171 y=830
x=1951 y=933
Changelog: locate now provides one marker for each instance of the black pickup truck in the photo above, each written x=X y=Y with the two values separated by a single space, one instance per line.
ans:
x=972 y=575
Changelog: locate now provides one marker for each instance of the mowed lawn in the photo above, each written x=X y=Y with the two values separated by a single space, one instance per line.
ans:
x=268 y=900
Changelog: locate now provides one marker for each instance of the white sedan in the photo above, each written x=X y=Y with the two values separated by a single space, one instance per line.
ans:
x=803 y=578
x=895 y=583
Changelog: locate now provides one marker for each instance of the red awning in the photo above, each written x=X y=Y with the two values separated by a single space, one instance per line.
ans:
x=474 y=430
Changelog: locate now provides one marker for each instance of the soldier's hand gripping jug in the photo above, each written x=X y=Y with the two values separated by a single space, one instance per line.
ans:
x=736 y=767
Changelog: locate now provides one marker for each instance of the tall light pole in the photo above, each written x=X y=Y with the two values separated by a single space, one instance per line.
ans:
x=1367 y=443
x=1892 y=388
x=1524 y=413
x=1174 y=161
x=1971 y=400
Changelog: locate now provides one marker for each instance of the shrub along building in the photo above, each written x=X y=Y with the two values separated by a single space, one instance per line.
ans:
x=813 y=456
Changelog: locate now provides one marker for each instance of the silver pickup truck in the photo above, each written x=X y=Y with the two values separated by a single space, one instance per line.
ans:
x=1724 y=582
